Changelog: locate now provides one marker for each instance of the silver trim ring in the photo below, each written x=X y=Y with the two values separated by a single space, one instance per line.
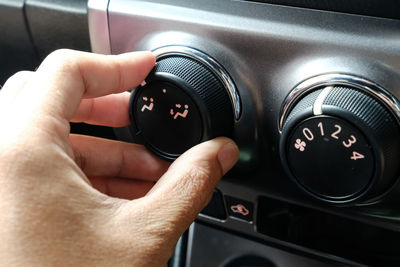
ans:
x=338 y=79
x=213 y=65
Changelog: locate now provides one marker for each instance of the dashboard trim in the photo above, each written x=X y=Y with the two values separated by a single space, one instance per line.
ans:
x=98 y=26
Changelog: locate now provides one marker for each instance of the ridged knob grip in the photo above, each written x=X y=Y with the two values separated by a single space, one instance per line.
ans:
x=341 y=144
x=181 y=104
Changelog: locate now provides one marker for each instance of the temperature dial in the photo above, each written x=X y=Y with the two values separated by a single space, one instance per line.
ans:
x=341 y=144
x=185 y=100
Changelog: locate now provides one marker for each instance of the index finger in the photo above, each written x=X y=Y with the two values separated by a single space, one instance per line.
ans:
x=67 y=76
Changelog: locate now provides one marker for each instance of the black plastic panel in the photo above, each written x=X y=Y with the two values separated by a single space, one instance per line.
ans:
x=93 y=130
x=209 y=246
x=325 y=232
x=56 y=24
x=16 y=49
x=32 y=29
x=216 y=207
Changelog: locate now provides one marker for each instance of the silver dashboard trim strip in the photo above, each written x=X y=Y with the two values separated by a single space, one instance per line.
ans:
x=98 y=26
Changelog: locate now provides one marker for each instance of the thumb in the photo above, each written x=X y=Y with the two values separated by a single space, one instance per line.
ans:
x=186 y=188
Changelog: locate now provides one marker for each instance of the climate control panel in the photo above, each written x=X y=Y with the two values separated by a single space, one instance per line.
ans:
x=188 y=98
x=317 y=121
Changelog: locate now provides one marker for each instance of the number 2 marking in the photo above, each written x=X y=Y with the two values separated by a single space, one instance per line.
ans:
x=351 y=141
x=357 y=156
x=339 y=129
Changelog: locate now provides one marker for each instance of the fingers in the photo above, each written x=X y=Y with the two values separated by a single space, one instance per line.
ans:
x=121 y=188
x=110 y=110
x=102 y=157
x=185 y=189
x=66 y=76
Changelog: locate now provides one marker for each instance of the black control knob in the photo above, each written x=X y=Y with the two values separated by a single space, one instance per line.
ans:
x=182 y=102
x=341 y=144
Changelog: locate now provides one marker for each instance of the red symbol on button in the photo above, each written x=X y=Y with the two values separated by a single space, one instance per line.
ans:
x=148 y=107
x=239 y=208
x=180 y=114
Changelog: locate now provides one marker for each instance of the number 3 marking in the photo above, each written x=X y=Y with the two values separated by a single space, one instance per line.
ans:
x=351 y=141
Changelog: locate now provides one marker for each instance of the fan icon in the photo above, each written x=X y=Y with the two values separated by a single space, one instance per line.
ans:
x=300 y=145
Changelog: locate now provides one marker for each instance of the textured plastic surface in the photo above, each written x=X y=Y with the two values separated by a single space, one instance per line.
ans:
x=306 y=103
x=210 y=94
x=326 y=169
x=182 y=104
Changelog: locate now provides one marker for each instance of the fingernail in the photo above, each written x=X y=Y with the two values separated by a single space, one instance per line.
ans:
x=228 y=156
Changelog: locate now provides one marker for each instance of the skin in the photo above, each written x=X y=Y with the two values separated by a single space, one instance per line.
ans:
x=74 y=200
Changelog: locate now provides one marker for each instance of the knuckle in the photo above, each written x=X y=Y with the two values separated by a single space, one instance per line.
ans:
x=60 y=53
x=22 y=74
x=203 y=169
x=61 y=59
x=19 y=77
x=200 y=172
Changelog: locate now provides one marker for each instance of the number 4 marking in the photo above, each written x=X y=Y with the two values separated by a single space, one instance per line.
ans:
x=357 y=156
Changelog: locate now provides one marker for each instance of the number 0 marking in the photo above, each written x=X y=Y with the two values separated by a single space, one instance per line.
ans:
x=339 y=129
x=350 y=141
x=357 y=156
x=308 y=134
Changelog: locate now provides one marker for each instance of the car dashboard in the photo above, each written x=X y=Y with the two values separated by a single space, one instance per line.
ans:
x=309 y=91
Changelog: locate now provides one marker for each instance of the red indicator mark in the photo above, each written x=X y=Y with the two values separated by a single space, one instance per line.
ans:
x=180 y=114
x=239 y=208
x=149 y=106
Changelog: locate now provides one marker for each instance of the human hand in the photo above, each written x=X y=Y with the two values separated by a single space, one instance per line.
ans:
x=50 y=212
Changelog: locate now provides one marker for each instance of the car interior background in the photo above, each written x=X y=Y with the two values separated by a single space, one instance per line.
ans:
x=309 y=90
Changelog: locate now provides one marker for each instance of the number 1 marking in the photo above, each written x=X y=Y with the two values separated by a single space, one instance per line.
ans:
x=321 y=127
